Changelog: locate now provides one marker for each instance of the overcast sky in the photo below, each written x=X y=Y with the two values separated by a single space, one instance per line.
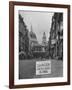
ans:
x=40 y=21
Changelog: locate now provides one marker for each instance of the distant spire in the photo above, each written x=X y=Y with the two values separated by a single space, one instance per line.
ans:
x=44 y=38
x=44 y=35
x=31 y=28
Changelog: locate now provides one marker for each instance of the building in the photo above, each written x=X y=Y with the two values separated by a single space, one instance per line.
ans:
x=32 y=39
x=23 y=39
x=56 y=37
x=44 y=39
x=39 y=49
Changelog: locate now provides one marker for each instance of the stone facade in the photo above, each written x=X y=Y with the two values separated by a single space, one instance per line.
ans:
x=56 y=37
x=23 y=38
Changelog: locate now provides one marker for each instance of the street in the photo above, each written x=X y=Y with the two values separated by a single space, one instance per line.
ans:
x=27 y=69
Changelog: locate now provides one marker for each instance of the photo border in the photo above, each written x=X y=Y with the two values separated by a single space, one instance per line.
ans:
x=11 y=43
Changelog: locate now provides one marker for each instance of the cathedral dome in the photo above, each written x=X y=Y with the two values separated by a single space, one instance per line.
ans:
x=32 y=35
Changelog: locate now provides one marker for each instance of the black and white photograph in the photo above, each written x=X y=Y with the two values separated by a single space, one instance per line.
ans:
x=40 y=44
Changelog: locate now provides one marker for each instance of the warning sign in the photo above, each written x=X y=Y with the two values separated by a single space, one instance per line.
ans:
x=43 y=67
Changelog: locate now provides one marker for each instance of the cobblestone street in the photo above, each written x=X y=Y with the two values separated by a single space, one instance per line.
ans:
x=27 y=69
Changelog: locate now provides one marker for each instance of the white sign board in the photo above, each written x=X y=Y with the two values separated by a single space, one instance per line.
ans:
x=43 y=67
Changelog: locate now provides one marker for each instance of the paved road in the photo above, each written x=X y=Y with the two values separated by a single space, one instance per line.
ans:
x=27 y=69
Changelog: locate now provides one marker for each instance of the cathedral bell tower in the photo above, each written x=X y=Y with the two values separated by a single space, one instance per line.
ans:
x=44 y=39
